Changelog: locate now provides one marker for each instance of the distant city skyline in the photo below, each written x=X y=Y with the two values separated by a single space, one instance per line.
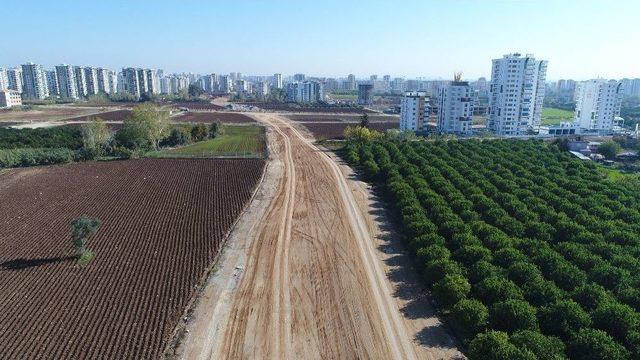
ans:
x=411 y=39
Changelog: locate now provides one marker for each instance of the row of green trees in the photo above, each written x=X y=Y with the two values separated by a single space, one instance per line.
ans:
x=528 y=252
x=147 y=129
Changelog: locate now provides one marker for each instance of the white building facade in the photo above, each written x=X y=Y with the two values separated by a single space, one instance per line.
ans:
x=516 y=94
x=67 y=85
x=598 y=103
x=10 y=98
x=34 y=82
x=455 y=108
x=277 y=81
x=414 y=111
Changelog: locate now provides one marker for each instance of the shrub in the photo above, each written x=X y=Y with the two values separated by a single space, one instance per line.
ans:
x=496 y=289
x=199 y=132
x=495 y=345
x=563 y=318
x=451 y=289
x=591 y=344
x=513 y=315
x=616 y=319
x=178 y=136
x=216 y=129
x=470 y=315
x=33 y=157
x=544 y=347
x=590 y=296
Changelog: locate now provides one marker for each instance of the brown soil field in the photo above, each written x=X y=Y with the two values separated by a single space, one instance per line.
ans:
x=42 y=113
x=210 y=117
x=116 y=115
x=162 y=225
x=342 y=117
x=326 y=130
x=303 y=108
x=197 y=106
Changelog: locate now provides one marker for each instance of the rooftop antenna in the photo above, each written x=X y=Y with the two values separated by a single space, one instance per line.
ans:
x=457 y=76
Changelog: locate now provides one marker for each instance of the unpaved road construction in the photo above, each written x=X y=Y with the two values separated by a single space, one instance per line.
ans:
x=302 y=277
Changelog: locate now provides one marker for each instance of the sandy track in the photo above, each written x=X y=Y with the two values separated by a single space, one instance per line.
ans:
x=313 y=285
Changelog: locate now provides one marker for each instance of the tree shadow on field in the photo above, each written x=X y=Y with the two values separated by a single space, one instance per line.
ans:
x=21 y=263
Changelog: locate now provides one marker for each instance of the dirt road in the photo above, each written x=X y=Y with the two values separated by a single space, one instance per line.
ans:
x=312 y=285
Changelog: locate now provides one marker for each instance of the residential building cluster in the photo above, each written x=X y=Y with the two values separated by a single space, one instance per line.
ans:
x=511 y=102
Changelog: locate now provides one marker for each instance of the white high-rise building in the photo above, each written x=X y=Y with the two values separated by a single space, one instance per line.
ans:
x=140 y=81
x=455 y=108
x=67 y=84
x=516 y=94
x=114 y=82
x=34 y=82
x=277 y=81
x=4 y=79
x=414 y=111
x=262 y=88
x=305 y=92
x=597 y=104
x=226 y=84
x=14 y=77
x=81 y=81
x=91 y=79
x=102 y=78
x=52 y=83
x=153 y=82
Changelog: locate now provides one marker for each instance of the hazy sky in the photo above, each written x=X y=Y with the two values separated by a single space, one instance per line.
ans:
x=431 y=39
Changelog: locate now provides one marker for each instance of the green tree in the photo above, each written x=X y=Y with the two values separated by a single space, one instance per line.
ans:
x=95 y=135
x=81 y=230
x=177 y=136
x=199 y=132
x=145 y=128
x=451 y=289
x=216 y=129
x=609 y=149
x=591 y=344
x=195 y=90
x=616 y=319
x=470 y=315
x=563 y=318
x=495 y=345
x=364 y=120
x=513 y=315
x=544 y=347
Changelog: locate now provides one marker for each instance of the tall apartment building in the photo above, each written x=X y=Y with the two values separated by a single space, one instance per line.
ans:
x=631 y=87
x=262 y=88
x=597 y=104
x=140 y=81
x=305 y=92
x=365 y=94
x=114 y=82
x=52 y=83
x=67 y=84
x=14 y=78
x=277 y=81
x=516 y=94
x=414 y=111
x=91 y=80
x=351 y=82
x=34 y=82
x=4 y=79
x=299 y=77
x=103 y=81
x=455 y=108
x=226 y=84
x=81 y=81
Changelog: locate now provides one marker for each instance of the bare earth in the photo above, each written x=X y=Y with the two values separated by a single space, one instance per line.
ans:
x=46 y=113
x=312 y=278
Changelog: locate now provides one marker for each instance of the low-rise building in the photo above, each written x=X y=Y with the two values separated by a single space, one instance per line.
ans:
x=10 y=98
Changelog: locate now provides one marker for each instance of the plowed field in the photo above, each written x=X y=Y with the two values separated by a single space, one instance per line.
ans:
x=163 y=223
